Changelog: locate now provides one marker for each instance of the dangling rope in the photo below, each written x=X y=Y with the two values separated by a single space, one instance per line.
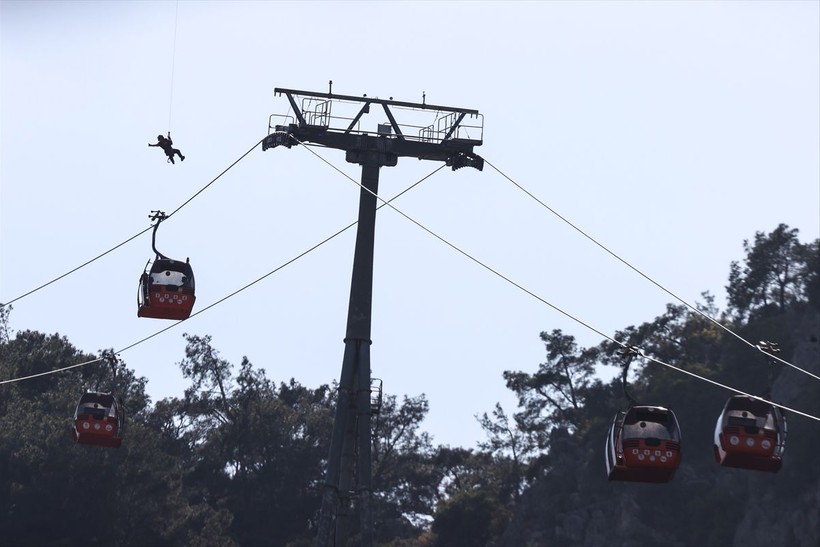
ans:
x=173 y=62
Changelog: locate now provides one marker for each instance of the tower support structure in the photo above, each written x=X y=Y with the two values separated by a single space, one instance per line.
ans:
x=433 y=132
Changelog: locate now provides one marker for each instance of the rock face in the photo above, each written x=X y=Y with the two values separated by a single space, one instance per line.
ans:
x=771 y=518
x=619 y=524
x=793 y=386
x=572 y=504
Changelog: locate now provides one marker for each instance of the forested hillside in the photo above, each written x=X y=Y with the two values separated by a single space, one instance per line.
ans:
x=239 y=458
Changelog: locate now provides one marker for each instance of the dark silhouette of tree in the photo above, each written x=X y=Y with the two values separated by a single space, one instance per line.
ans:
x=508 y=445
x=568 y=500
x=56 y=492
x=210 y=378
x=404 y=481
x=554 y=393
x=812 y=273
x=239 y=459
x=776 y=272
x=678 y=336
x=471 y=518
x=254 y=448
x=5 y=312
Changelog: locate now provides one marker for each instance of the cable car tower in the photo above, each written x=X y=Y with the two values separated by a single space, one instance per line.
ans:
x=426 y=132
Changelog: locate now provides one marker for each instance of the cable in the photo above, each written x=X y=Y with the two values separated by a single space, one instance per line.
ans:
x=190 y=199
x=287 y=263
x=455 y=248
x=50 y=371
x=527 y=291
x=451 y=245
x=173 y=64
x=645 y=276
x=83 y=265
x=713 y=382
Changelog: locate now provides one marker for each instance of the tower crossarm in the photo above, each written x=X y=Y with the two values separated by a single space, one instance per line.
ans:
x=366 y=99
x=419 y=130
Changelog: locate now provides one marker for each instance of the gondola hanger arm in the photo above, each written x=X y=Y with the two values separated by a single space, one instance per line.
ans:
x=628 y=352
x=158 y=217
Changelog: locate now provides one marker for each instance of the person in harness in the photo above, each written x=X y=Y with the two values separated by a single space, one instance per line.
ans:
x=167 y=146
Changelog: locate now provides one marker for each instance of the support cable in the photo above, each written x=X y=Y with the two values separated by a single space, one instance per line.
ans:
x=283 y=265
x=556 y=308
x=457 y=249
x=287 y=263
x=451 y=245
x=48 y=372
x=84 y=264
x=81 y=266
x=645 y=276
x=718 y=384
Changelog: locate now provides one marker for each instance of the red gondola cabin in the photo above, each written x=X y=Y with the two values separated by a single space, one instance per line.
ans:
x=750 y=434
x=98 y=420
x=643 y=445
x=167 y=290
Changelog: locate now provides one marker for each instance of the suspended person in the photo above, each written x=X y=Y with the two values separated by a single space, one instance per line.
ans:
x=167 y=146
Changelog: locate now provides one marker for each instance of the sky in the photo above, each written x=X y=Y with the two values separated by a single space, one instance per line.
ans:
x=668 y=131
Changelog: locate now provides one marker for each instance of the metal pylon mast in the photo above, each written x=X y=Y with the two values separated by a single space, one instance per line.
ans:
x=421 y=131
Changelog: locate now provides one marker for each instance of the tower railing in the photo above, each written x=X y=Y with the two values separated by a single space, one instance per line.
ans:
x=385 y=118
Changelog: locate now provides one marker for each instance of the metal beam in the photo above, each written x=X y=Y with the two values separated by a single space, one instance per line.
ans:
x=393 y=123
x=365 y=98
x=453 y=127
x=440 y=151
x=365 y=110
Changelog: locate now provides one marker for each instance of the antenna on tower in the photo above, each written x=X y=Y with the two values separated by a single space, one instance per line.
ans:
x=330 y=87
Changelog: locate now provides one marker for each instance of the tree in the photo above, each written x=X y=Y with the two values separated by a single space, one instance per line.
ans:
x=508 y=444
x=472 y=518
x=5 y=312
x=812 y=273
x=571 y=502
x=210 y=378
x=56 y=492
x=404 y=477
x=678 y=336
x=554 y=393
x=777 y=272
x=254 y=448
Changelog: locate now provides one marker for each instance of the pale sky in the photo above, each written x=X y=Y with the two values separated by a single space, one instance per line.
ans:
x=668 y=131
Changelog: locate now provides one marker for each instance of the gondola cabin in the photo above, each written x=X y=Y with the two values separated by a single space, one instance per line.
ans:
x=167 y=290
x=643 y=445
x=98 y=420
x=750 y=434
